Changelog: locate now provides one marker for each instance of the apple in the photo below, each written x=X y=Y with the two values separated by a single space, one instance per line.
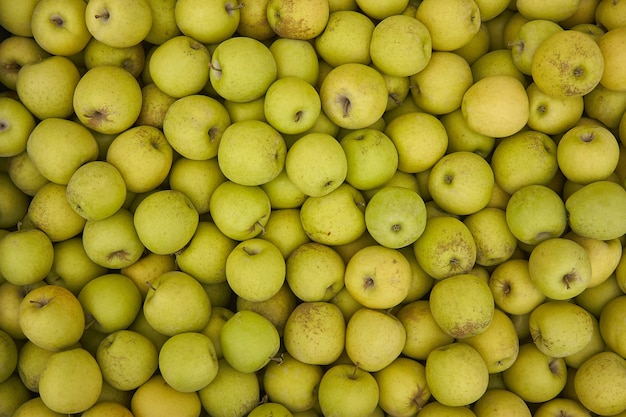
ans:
x=156 y=398
x=315 y=272
x=513 y=290
x=11 y=296
x=208 y=23
x=265 y=409
x=608 y=13
x=164 y=25
x=456 y=374
x=462 y=138
x=197 y=179
x=606 y=106
x=553 y=115
x=154 y=105
x=350 y=29
x=496 y=401
x=494 y=241
x=611 y=47
x=15 y=52
x=557 y=11
x=594 y=299
x=119 y=23
x=13 y=394
x=347 y=390
x=253 y=21
x=14 y=206
x=423 y=334
x=497 y=62
x=107 y=408
x=435 y=408
x=16 y=124
x=24 y=175
x=594 y=383
x=439 y=17
x=26 y=256
x=529 y=36
x=611 y=329
x=17 y=19
x=480 y=44
x=298 y=20
x=9 y=350
x=35 y=407
x=563 y=406
x=295 y=58
x=604 y=256
x=284 y=229
x=176 y=303
x=291 y=105
x=595 y=345
x=402 y=387
x=315 y=333
x=131 y=58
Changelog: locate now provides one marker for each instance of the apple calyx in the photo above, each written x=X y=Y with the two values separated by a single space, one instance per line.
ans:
x=368 y=282
x=298 y=116
x=345 y=104
x=588 y=137
x=96 y=118
x=57 y=20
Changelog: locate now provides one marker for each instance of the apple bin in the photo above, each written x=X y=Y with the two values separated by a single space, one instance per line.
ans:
x=312 y=208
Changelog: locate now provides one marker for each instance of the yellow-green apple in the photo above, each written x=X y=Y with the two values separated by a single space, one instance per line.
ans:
x=291 y=105
x=176 y=303
x=378 y=11
x=292 y=383
x=400 y=45
x=107 y=99
x=295 y=58
x=270 y=408
x=9 y=351
x=208 y=23
x=594 y=299
x=440 y=16
x=402 y=387
x=180 y=54
x=242 y=69
x=298 y=20
x=596 y=384
x=219 y=316
x=143 y=156
x=46 y=87
x=347 y=390
x=49 y=211
x=127 y=359
x=253 y=21
x=611 y=46
x=552 y=115
x=587 y=153
x=374 y=339
x=597 y=210
x=15 y=52
x=284 y=229
x=606 y=106
x=462 y=305
x=462 y=138
x=557 y=11
x=11 y=296
x=35 y=407
x=188 y=361
x=397 y=90
x=96 y=190
x=106 y=407
x=154 y=106
x=609 y=14
x=316 y=177
x=595 y=345
x=71 y=381
x=157 y=398
x=131 y=58
x=119 y=23
x=17 y=19
x=59 y=26
x=491 y=9
x=529 y=36
x=565 y=406
x=113 y=242
x=349 y=28
x=497 y=62
x=496 y=401
x=336 y=218
x=413 y=131
x=496 y=27
x=479 y=45
x=434 y=408
x=431 y=89
x=248 y=110
x=513 y=290
x=164 y=25
x=461 y=183
x=435 y=254
x=594 y=30
x=239 y=211
x=315 y=272
x=315 y=333
x=16 y=124
x=197 y=179
x=423 y=334
x=353 y=95
x=571 y=49
x=276 y=309
x=535 y=213
x=399 y=179
x=611 y=328
x=13 y=394
x=487 y=94
x=456 y=374
x=249 y=341
x=141 y=326
x=494 y=241
x=604 y=256
x=26 y=256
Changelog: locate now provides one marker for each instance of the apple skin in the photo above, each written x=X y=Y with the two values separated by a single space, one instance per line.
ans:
x=119 y=23
x=17 y=123
x=298 y=19
x=26 y=256
x=348 y=390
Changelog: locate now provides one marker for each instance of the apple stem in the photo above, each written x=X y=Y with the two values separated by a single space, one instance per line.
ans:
x=279 y=359
x=19 y=226
x=356 y=369
x=394 y=98
x=149 y=284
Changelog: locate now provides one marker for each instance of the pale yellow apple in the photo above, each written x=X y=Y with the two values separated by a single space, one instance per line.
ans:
x=208 y=23
x=353 y=30
x=298 y=19
x=462 y=138
x=497 y=62
x=402 y=387
x=513 y=290
x=552 y=115
x=605 y=105
x=596 y=383
x=556 y=11
x=498 y=401
x=253 y=20
x=477 y=46
x=156 y=398
x=423 y=334
x=610 y=326
x=50 y=212
x=440 y=16
x=612 y=47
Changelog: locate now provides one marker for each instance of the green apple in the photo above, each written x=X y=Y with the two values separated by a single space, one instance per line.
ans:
x=108 y=408
x=596 y=210
x=165 y=221
x=141 y=326
x=154 y=105
x=535 y=213
x=231 y=392
x=336 y=218
x=269 y=409
x=596 y=384
x=371 y=156
x=524 y=158
x=378 y=277
x=96 y=190
x=11 y=297
x=251 y=152
x=292 y=383
x=611 y=46
x=249 y=110
x=242 y=69
x=529 y=36
x=423 y=334
x=594 y=299
x=604 y=256
x=456 y=374
x=402 y=387
x=71 y=381
x=606 y=106
x=208 y=23
x=249 y=341
x=353 y=95
x=13 y=394
x=131 y=58
x=283 y=193
x=378 y=11
x=26 y=256
x=291 y=105
x=284 y=229
x=552 y=115
x=350 y=29
x=298 y=20
x=497 y=62
x=127 y=359
x=611 y=328
x=608 y=13
x=24 y=175
x=158 y=399
x=374 y=339
x=35 y=407
x=9 y=351
x=197 y=179
x=147 y=268
x=107 y=98
x=315 y=333
x=253 y=21
x=440 y=16
x=239 y=211
x=587 y=153
x=561 y=405
x=462 y=305
x=462 y=138
x=315 y=272
x=17 y=19
x=164 y=25
x=435 y=253
x=347 y=390
x=16 y=124
x=420 y=139
x=570 y=49
x=564 y=279
x=15 y=52
x=513 y=290
x=494 y=241
x=46 y=87
x=498 y=401
x=401 y=45
x=276 y=309
x=119 y=23
x=14 y=206
x=480 y=44
x=143 y=156
x=557 y=11
x=176 y=303
x=219 y=316
x=113 y=242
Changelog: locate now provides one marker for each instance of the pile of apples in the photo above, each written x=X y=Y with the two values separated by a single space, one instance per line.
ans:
x=301 y=208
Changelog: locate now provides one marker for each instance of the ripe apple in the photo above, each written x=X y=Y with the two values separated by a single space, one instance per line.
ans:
x=164 y=25
x=496 y=401
x=154 y=105
x=612 y=49
x=494 y=241
x=347 y=390
x=606 y=106
x=553 y=115
x=14 y=206
x=291 y=105
x=439 y=17
x=156 y=398
x=11 y=296
x=26 y=256
x=284 y=229
x=402 y=387
x=35 y=407
x=595 y=383
x=561 y=405
x=513 y=290
x=270 y=409
x=16 y=124
x=315 y=272
x=9 y=351
x=17 y=19
x=295 y=58
x=298 y=20
x=529 y=36
x=15 y=52
x=556 y=11
x=350 y=29
x=423 y=334
x=108 y=408
x=208 y=23
x=253 y=21
x=462 y=138
x=119 y=23
x=131 y=58
x=611 y=328
x=497 y=62
x=197 y=179
x=13 y=394
x=24 y=176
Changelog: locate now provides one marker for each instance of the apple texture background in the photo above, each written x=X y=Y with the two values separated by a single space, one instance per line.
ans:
x=312 y=208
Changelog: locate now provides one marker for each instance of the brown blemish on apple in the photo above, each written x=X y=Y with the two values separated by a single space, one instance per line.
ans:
x=120 y=254
x=96 y=118
x=467 y=329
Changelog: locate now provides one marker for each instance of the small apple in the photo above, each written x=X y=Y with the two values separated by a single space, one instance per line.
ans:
x=119 y=23
x=295 y=58
x=513 y=290
x=423 y=334
x=348 y=390
x=494 y=241
x=315 y=272
x=298 y=20
x=462 y=138
x=440 y=16
x=529 y=36
x=15 y=52
x=16 y=124
x=402 y=387
x=292 y=105
x=553 y=115
x=350 y=29
x=284 y=229
x=209 y=23
x=131 y=58
x=26 y=256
